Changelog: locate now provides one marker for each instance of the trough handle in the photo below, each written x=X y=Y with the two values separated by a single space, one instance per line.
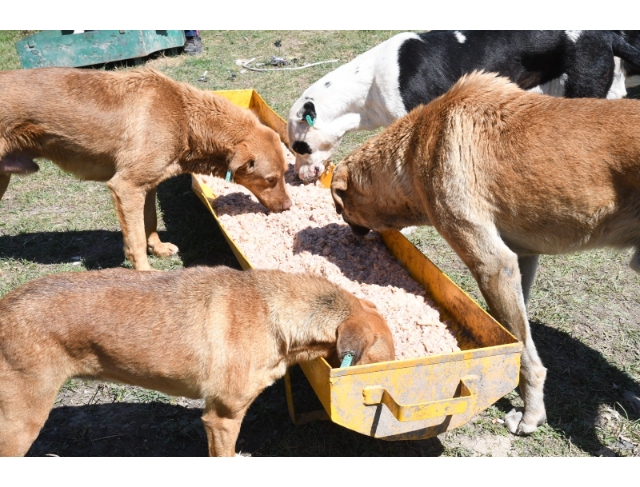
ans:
x=465 y=402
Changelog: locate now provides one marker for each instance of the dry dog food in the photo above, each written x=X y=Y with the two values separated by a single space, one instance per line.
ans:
x=311 y=237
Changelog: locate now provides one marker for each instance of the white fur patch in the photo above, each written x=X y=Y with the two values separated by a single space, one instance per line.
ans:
x=364 y=95
x=618 y=89
x=573 y=35
x=460 y=36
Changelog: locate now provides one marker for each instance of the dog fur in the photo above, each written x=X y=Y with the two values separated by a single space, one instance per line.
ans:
x=213 y=333
x=386 y=82
x=504 y=176
x=134 y=129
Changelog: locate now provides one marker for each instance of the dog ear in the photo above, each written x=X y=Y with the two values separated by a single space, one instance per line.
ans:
x=368 y=339
x=308 y=110
x=352 y=338
x=241 y=160
x=339 y=185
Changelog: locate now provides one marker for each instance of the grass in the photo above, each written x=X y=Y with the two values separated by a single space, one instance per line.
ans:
x=584 y=311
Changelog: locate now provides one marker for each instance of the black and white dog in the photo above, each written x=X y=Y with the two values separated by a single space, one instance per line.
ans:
x=386 y=82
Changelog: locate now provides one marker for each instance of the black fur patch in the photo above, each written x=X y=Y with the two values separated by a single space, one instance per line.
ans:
x=430 y=65
x=308 y=109
x=301 y=148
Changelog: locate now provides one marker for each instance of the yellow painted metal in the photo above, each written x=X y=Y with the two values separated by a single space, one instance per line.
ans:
x=465 y=401
x=413 y=398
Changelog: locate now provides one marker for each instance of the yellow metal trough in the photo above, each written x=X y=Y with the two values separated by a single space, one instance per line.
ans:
x=412 y=398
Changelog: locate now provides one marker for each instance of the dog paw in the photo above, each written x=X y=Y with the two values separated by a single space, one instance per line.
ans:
x=164 y=249
x=513 y=422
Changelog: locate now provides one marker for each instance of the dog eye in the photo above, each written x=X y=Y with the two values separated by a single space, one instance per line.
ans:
x=251 y=163
x=270 y=180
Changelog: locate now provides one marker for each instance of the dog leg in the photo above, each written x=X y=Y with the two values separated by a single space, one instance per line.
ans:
x=222 y=427
x=4 y=182
x=24 y=408
x=528 y=265
x=154 y=245
x=495 y=268
x=129 y=201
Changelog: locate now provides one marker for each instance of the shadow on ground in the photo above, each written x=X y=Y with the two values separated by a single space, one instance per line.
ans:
x=160 y=429
x=98 y=249
x=189 y=225
x=579 y=381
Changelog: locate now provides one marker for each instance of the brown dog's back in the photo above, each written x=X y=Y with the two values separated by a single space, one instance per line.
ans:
x=149 y=324
x=134 y=129
x=97 y=117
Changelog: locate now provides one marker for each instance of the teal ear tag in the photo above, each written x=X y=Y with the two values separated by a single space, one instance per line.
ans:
x=229 y=177
x=346 y=361
x=309 y=120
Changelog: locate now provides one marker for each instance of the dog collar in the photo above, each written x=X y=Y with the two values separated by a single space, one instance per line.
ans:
x=229 y=177
x=309 y=120
x=346 y=361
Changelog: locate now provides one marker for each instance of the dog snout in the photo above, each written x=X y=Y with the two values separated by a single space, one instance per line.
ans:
x=279 y=206
x=307 y=174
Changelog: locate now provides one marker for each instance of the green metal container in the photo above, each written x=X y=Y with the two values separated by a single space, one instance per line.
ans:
x=64 y=48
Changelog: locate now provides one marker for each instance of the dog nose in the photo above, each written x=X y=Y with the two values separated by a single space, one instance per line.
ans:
x=287 y=204
x=316 y=171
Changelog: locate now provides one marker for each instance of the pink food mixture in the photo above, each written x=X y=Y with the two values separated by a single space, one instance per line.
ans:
x=311 y=237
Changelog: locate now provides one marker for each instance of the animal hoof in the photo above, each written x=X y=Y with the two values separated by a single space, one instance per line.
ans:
x=164 y=249
x=513 y=421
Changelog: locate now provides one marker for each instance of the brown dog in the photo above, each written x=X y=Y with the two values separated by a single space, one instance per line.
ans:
x=134 y=129
x=503 y=175
x=212 y=333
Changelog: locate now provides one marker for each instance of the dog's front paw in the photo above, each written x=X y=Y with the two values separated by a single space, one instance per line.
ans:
x=513 y=421
x=164 y=249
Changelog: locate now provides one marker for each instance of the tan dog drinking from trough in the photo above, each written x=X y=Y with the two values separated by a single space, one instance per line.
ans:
x=503 y=175
x=134 y=129
x=213 y=333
